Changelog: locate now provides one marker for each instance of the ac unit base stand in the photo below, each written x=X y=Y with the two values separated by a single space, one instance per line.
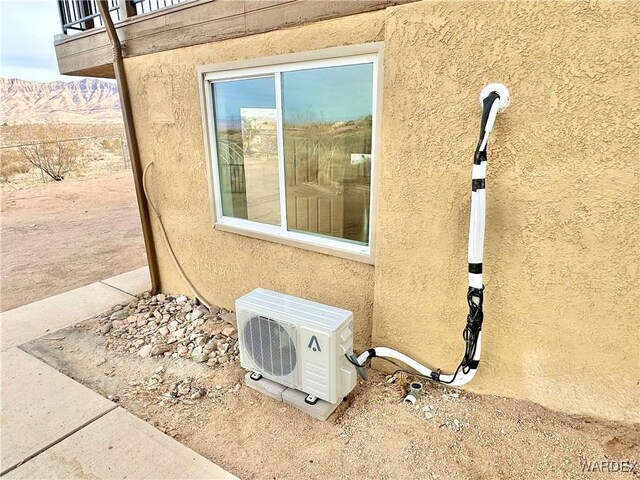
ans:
x=320 y=410
x=266 y=386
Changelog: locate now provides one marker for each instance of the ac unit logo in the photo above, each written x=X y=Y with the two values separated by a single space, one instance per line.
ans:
x=314 y=344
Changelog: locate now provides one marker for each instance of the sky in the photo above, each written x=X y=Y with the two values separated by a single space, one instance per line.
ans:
x=331 y=94
x=26 y=40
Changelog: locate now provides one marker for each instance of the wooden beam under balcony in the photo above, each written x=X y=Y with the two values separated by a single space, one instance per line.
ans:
x=196 y=22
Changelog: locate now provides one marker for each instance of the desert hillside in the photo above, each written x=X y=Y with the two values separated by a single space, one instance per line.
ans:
x=85 y=101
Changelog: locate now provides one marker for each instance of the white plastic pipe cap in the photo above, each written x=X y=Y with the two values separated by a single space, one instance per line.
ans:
x=501 y=90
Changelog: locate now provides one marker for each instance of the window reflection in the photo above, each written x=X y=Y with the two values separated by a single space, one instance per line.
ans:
x=327 y=115
x=327 y=134
x=246 y=134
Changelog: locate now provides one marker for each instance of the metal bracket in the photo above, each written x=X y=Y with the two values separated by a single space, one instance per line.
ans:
x=311 y=400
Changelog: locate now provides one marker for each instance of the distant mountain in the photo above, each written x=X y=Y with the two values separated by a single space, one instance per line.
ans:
x=85 y=101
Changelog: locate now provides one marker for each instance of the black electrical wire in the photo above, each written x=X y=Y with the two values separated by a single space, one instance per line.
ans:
x=403 y=370
x=355 y=364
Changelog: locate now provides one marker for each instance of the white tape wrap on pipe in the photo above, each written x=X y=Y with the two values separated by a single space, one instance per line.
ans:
x=496 y=98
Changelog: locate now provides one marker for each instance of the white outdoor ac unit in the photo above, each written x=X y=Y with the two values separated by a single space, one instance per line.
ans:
x=297 y=343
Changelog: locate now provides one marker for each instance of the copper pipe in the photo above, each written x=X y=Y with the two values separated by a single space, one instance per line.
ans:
x=132 y=140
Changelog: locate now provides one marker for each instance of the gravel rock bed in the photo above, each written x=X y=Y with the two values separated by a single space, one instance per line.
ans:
x=172 y=326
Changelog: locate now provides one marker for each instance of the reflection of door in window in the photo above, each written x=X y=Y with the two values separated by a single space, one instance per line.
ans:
x=260 y=146
x=314 y=190
x=315 y=209
x=327 y=191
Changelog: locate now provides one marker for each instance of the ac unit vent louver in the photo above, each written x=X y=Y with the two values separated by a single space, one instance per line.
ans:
x=270 y=346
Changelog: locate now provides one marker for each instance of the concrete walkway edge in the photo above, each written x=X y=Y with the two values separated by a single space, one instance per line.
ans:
x=66 y=430
x=133 y=282
x=36 y=319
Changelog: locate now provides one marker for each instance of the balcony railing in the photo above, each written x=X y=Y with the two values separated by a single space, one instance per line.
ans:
x=82 y=15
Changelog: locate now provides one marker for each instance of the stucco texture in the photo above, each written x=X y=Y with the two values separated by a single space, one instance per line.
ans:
x=561 y=253
x=224 y=266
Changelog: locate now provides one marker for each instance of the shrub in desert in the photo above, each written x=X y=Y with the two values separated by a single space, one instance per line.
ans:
x=48 y=148
x=111 y=144
x=12 y=163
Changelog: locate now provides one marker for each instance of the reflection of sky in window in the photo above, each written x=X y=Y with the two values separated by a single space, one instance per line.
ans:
x=327 y=94
x=319 y=95
x=230 y=96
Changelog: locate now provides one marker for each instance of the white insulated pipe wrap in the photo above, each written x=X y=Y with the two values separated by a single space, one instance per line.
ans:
x=460 y=378
x=496 y=98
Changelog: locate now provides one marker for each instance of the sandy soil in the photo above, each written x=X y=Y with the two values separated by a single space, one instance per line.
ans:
x=372 y=435
x=63 y=235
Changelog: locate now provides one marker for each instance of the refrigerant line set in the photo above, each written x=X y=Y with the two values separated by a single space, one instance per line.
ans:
x=494 y=99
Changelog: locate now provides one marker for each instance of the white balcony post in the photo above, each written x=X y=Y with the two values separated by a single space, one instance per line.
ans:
x=127 y=9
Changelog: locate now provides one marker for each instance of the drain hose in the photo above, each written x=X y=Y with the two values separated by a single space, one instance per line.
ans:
x=166 y=241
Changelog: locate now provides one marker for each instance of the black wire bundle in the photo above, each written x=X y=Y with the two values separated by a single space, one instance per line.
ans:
x=470 y=335
x=472 y=330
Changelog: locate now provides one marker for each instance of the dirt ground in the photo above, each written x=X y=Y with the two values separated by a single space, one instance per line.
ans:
x=372 y=435
x=63 y=235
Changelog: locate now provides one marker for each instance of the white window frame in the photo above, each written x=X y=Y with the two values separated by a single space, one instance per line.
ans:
x=259 y=67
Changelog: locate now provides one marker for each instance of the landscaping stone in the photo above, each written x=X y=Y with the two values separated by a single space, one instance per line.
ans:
x=228 y=331
x=145 y=351
x=201 y=358
x=119 y=315
x=212 y=327
x=179 y=333
x=167 y=325
x=229 y=317
x=199 y=312
x=427 y=410
x=197 y=351
x=160 y=348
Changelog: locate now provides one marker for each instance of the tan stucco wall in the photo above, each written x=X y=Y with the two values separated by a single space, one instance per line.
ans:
x=224 y=266
x=561 y=253
x=561 y=257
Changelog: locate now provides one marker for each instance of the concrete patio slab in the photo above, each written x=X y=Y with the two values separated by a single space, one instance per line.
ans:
x=133 y=282
x=36 y=319
x=119 y=445
x=39 y=407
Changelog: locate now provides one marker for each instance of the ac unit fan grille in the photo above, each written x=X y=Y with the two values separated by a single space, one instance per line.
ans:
x=270 y=346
